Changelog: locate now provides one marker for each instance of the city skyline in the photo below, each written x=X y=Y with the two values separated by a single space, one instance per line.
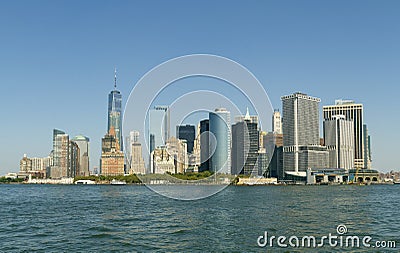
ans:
x=62 y=82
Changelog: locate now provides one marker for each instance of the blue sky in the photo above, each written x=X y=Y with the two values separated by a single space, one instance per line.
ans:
x=57 y=60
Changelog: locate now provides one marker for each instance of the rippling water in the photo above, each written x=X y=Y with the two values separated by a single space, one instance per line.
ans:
x=134 y=219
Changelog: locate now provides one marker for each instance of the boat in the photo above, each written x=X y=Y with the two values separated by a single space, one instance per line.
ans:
x=396 y=182
x=117 y=182
x=85 y=182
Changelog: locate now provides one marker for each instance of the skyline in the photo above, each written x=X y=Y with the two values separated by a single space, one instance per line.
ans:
x=55 y=80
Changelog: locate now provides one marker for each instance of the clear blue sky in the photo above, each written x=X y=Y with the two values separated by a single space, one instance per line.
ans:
x=57 y=60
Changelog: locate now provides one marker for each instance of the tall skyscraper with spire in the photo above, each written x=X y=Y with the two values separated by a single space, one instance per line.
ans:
x=115 y=112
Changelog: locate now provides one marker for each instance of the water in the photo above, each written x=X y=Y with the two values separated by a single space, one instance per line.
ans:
x=104 y=218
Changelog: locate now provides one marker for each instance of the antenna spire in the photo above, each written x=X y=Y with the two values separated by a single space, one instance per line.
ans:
x=115 y=78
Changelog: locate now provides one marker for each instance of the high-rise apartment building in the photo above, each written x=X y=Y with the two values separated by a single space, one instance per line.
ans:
x=354 y=112
x=220 y=126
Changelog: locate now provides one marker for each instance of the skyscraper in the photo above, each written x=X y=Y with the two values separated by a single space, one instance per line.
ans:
x=339 y=139
x=204 y=145
x=276 y=122
x=301 y=134
x=135 y=156
x=186 y=132
x=367 y=148
x=220 y=126
x=194 y=158
x=178 y=150
x=112 y=158
x=115 y=112
x=245 y=146
x=354 y=112
x=83 y=144
x=159 y=126
x=74 y=158
x=61 y=157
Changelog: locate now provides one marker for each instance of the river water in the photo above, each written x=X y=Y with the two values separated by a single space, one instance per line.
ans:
x=105 y=218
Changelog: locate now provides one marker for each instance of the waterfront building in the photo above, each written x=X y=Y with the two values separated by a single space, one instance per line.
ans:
x=61 y=163
x=301 y=139
x=159 y=126
x=367 y=148
x=25 y=165
x=35 y=166
x=327 y=176
x=204 y=145
x=354 y=112
x=74 y=158
x=83 y=144
x=245 y=146
x=262 y=163
x=115 y=112
x=112 y=158
x=276 y=122
x=188 y=133
x=220 y=126
x=339 y=140
x=363 y=175
x=275 y=167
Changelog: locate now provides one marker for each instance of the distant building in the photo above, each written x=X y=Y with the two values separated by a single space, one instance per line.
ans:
x=188 y=133
x=220 y=126
x=194 y=158
x=135 y=155
x=74 y=159
x=61 y=158
x=161 y=161
x=262 y=163
x=115 y=112
x=112 y=158
x=301 y=139
x=35 y=166
x=83 y=144
x=276 y=122
x=25 y=165
x=204 y=145
x=354 y=112
x=159 y=126
x=367 y=148
x=241 y=118
x=245 y=146
x=339 y=139
x=275 y=167
x=178 y=150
